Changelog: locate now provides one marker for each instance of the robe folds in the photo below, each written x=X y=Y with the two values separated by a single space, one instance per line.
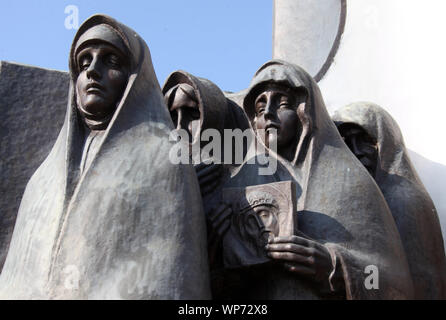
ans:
x=220 y=114
x=338 y=204
x=411 y=206
x=131 y=224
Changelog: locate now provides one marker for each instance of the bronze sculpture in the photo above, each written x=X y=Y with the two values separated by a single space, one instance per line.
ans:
x=376 y=140
x=184 y=109
x=108 y=210
x=107 y=215
x=261 y=213
x=341 y=230
x=197 y=104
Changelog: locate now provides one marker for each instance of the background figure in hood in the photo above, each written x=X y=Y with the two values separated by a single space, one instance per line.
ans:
x=195 y=105
x=344 y=223
x=376 y=140
x=184 y=109
x=102 y=216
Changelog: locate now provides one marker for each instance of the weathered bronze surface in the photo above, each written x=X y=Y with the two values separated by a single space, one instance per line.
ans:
x=343 y=217
x=260 y=214
x=376 y=140
x=197 y=104
x=108 y=215
x=101 y=217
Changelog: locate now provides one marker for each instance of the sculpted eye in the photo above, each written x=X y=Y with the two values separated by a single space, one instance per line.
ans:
x=260 y=107
x=284 y=102
x=369 y=140
x=113 y=60
x=84 y=62
x=260 y=104
x=264 y=214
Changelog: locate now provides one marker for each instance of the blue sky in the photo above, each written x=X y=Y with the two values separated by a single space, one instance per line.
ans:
x=222 y=40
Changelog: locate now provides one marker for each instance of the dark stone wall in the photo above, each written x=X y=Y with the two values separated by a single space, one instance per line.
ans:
x=32 y=109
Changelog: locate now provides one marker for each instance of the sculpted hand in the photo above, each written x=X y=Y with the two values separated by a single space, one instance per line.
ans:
x=302 y=256
x=209 y=176
x=219 y=222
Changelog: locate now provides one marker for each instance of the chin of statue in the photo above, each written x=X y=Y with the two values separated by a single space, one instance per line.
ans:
x=96 y=111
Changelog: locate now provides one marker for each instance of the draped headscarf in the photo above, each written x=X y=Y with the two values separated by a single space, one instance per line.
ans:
x=411 y=206
x=130 y=226
x=216 y=111
x=338 y=203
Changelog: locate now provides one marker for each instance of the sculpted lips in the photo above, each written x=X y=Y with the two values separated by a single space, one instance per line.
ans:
x=95 y=88
x=272 y=125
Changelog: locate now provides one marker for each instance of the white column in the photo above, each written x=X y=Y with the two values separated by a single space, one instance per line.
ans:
x=305 y=32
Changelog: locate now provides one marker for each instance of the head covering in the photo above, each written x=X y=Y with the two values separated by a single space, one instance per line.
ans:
x=411 y=206
x=338 y=205
x=101 y=33
x=216 y=112
x=131 y=224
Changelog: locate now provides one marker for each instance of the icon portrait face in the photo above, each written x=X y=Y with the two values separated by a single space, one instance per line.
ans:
x=103 y=72
x=261 y=224
x=184 y=110
x=363 y=146
x=276 y=108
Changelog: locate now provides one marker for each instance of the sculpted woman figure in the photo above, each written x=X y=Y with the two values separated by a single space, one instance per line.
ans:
x=101 y=217
x=344 y=224
x=376 y=140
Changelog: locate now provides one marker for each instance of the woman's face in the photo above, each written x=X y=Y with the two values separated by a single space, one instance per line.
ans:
x=276 y=110
x=184 y=110
x=103 y=75
x=363 y=146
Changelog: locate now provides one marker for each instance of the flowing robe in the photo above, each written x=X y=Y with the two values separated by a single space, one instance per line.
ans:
x=130 y=225
x=411 y=206
x=338 y=204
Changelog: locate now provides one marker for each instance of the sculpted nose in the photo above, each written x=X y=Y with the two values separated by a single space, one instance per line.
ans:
x=259 y=222
x=269 y=112
x=179 y=118
x=93 y=71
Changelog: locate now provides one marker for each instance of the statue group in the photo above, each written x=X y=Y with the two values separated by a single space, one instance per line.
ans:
x=108 y=215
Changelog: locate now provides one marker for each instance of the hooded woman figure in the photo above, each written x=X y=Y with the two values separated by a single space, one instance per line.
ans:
x=107 y=216
x=375 y=138
x=196 y=105
x=346 y=244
